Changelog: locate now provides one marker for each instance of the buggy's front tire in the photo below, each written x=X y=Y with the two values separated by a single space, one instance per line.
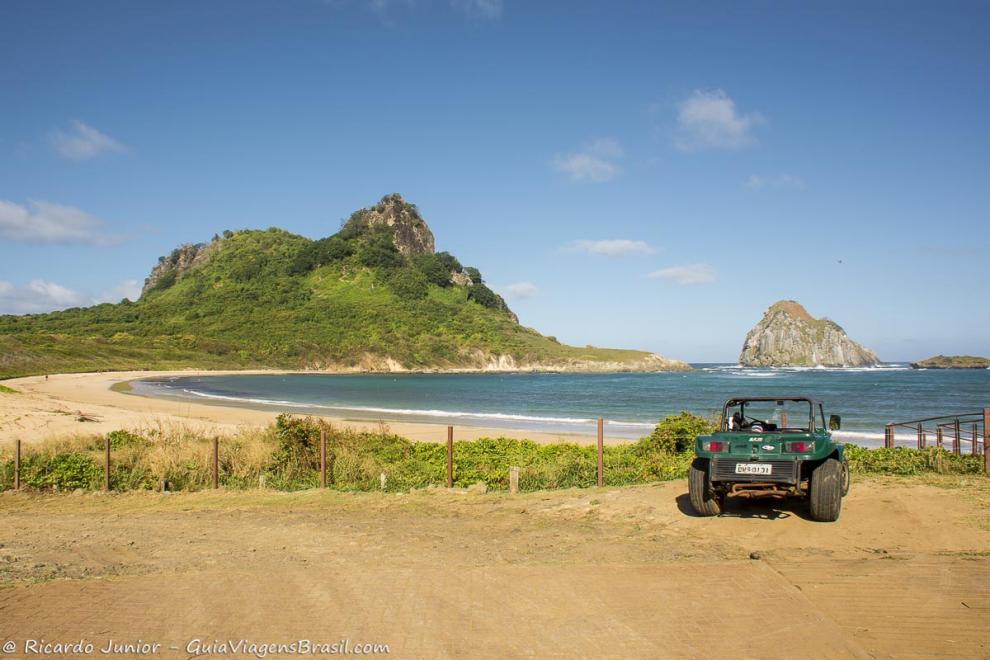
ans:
x=825 y=496
x=704 y=500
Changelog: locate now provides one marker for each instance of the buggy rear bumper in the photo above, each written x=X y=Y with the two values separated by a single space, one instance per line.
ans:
x=785 y=472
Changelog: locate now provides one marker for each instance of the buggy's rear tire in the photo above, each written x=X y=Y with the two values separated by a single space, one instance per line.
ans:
x=846 y=477
x=704 y=500
x=825 y=497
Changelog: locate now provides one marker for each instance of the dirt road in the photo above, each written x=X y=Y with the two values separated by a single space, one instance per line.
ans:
x=613 y=573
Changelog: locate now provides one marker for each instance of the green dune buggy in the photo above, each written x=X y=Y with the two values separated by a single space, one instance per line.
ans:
x=771 y=447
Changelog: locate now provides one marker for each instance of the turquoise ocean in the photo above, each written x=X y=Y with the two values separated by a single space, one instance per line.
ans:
x=866 y=398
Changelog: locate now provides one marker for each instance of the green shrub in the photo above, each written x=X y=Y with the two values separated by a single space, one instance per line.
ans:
x=906 y=461
x=378 y=249
x=320 y=253
x=675 y=434
x=409 y=283
x=121 y=439
x=66 y=471
x=297 y=455
x=484 y=296
x=433 y=269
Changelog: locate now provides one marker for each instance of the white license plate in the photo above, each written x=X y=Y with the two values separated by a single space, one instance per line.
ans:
x=754 y=468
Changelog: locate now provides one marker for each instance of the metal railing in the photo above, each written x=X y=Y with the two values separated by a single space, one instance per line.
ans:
x=960 y=433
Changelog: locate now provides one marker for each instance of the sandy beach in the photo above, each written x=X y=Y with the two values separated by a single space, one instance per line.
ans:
x=70 y=404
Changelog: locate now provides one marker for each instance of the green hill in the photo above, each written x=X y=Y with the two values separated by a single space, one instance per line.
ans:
x=373 y=297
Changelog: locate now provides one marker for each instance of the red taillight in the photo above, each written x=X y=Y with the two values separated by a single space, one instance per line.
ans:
x=716 y=446
x=800 y=447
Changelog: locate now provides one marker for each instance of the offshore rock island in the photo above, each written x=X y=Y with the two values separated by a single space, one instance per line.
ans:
x=788 y=336
x=952 y=362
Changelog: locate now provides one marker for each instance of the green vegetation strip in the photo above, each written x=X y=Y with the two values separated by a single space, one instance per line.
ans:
x=286 y=457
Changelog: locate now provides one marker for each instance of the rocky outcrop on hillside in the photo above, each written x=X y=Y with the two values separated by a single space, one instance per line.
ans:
x=478 y=361
x=182 y=259
x=788 y=336
x=412 y=236
x=649 y=362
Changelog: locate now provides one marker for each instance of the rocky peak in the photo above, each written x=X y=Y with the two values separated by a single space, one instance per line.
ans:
x=788 y=335
x=412 y=236
x=182 y=259
x=792 y=308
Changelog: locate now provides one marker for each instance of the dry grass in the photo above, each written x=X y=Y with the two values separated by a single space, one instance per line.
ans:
x=162 y=455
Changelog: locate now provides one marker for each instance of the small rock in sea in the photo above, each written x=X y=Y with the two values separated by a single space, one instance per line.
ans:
x=755 y=555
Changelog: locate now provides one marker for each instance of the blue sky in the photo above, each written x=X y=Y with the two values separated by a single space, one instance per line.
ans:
x=643 y=174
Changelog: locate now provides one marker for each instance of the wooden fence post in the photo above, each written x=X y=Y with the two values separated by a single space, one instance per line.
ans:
x=956 y=443
x=106 y=464
x=216 y=463
x=888 y=436
x=938 y=436
x=986 y=440
x=17 y=464
x=921 y=437
x=974 y=439
x=601 y=452
x=513 y=480
x=323 y=458
x=450 y=457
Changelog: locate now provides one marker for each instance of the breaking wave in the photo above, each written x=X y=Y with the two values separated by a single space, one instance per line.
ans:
x=505 y=417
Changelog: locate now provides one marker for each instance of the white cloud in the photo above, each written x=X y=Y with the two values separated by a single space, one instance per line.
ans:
x=39 y=296
x=710 y=120
x=596 y=162
x=519 y=290
x=45 y=222
x=614 y=247
x=686 y=275
x=487 y=9
x=780 y=181
x=35 y=297
x=130 y=289
x=83 y=142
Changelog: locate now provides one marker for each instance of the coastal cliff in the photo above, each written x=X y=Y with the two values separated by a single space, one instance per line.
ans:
x=788 y=336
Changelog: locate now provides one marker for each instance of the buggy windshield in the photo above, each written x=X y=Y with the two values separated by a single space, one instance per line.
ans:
x=764 y=415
